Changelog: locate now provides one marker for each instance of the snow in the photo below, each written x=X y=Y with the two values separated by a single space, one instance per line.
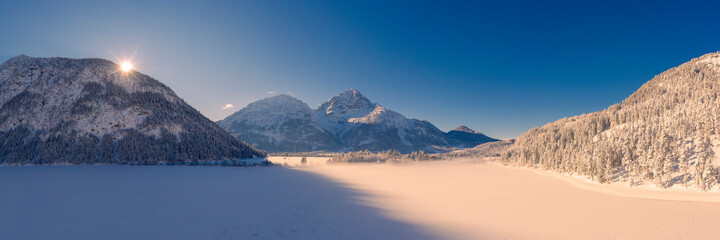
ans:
x=472 y=200
x=60 y=89
x=297 y=161
x=340 y=123
x=125 y=202
x=677 y=192
x=713 y=59
x=107 y=121
x=337 y=124
x=382 y=116
x=266 y=117
x=463 y=128
x=343 y=112
x=272 y=110
x=334 y=114
x=80 y=108
x=433 y=200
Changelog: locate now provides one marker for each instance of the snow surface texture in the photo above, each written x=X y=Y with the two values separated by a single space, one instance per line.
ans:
x=435 y=200
x=298 y=162
x=61 y=110
x=346 y=122
x=665 y=133
x=122 y=202
x=469 y=200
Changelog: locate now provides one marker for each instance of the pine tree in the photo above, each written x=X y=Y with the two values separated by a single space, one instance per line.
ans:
x=684 y=163
x=704 y=171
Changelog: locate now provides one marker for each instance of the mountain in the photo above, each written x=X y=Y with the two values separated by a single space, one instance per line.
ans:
x=335 y=113
x=665 y=133
x=463 y=135
x=86 y=111
x=279 y=123
x=346 y=122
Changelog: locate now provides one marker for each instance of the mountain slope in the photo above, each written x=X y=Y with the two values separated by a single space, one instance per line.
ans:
x=279 y=123
x=346 y=122
x=338 y=110
x=84 y=111
x=464 y=136
x=665 y=133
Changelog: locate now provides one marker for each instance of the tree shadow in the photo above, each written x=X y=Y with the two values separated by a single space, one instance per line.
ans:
x=132 y=202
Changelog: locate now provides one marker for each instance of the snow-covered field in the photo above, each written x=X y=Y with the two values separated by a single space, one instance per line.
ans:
x=435 y=200
x=297 y=161
x=176 y=202
x=470 y=200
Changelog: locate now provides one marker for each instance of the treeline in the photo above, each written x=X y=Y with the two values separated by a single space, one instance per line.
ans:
x=663 y=134
x=21 y=146
x=485 y=150
x=305 y=154
x=381 y=157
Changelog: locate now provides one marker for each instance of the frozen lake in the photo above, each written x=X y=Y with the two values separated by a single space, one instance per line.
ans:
x=435 y=200
x=178 y=202
x=297 y=161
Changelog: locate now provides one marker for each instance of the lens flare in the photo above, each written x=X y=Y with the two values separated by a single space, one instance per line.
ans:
x=126 y=66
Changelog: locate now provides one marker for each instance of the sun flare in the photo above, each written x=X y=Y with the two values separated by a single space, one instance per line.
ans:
x=126 y=66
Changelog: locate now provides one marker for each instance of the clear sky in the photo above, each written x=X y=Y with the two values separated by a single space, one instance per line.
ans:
x=498 y=67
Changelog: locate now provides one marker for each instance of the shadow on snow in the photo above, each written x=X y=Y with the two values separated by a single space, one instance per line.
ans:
x=126 y=202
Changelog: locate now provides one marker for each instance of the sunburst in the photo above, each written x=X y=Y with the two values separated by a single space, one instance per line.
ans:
x=126 y=66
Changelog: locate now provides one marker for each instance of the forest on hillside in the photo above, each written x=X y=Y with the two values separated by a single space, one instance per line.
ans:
x=664 y=134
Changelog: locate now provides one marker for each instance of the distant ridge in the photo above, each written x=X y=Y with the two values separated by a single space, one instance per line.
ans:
x=348 y=121
x=465 y=137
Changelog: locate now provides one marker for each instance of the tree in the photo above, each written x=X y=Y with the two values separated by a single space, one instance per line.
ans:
x=704 y=171
x=684 y=163
x=666 y=161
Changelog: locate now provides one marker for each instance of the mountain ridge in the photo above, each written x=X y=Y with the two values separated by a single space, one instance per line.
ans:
x=351 y=122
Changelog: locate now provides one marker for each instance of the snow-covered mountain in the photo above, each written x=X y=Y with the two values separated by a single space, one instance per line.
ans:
x=278 y=124
x=464 y=135
x=86 y=111
x=346 y=122
x=665 y=133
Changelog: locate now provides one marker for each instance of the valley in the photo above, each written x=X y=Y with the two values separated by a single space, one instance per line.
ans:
x=459 y=199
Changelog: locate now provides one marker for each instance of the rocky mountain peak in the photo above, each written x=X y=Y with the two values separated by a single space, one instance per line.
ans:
x=346 y=122
x=346 y=103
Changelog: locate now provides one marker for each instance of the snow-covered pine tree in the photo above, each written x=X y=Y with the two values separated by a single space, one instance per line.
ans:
x=651 y=131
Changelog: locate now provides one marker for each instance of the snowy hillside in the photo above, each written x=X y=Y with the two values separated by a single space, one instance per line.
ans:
x=278 y=124
x=60 y=110
x=346 y=122
x=665 y=133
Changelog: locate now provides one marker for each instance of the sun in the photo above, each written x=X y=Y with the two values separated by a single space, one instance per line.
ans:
x=126 y=66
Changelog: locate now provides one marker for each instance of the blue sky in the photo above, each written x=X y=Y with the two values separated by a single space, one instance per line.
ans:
x=498 y=67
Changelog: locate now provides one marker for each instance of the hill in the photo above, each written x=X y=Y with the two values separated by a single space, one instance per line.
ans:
x=87 y=111
x=665 y=133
